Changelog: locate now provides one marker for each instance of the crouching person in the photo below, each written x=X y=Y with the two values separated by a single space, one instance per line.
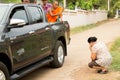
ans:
x=100 y=56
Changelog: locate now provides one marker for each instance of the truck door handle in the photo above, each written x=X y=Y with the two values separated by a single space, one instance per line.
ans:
x=31 y=32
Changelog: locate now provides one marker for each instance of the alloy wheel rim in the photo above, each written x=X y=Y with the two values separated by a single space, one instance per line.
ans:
x=2 y=75
x=60 y=54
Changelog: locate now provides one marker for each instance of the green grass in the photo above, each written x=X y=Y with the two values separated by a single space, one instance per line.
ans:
x=115 y=51
x=87 y=27
x=82 y=28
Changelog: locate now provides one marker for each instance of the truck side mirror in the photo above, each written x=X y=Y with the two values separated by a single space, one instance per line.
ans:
x=16 y=23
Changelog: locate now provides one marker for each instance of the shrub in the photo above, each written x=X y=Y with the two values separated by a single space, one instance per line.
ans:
x=111 y=14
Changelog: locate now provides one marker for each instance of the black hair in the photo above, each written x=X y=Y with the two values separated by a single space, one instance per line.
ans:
x=21 y=0
x=92 y=39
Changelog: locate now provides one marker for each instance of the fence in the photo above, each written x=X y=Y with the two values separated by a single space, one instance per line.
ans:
x=81 y=17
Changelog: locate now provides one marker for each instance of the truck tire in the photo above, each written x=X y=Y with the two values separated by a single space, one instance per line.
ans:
x=4 y=75
x=59 y=55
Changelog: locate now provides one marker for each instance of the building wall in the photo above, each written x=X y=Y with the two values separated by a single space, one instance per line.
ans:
x=81 y=18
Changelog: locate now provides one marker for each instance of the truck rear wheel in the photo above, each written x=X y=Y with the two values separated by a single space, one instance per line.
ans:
x=59 y=55
x=4 y=75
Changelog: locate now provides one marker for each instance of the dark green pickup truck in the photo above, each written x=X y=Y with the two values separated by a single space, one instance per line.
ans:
x=28 y=41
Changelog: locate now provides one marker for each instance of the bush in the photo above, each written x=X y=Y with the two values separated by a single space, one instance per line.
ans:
x=111 y=14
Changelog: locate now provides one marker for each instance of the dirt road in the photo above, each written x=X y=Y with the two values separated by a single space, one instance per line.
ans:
x=75 y=67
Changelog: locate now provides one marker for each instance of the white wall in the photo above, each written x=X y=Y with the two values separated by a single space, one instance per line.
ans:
x=80 y=18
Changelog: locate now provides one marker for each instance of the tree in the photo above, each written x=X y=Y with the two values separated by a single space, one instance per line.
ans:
x=87 y=4
x=115 y=4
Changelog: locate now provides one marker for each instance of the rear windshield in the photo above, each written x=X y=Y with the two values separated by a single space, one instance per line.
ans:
x=3 y=9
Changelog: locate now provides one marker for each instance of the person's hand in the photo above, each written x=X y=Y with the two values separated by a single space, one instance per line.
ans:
x=90 y=47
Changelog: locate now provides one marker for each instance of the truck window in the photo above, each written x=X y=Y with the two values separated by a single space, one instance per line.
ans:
x=36 y=15
x=19 y=14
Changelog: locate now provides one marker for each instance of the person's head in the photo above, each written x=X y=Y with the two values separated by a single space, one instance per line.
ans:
x=25 y=1
x=92 y=40
x=44 y=1
x=55 y=4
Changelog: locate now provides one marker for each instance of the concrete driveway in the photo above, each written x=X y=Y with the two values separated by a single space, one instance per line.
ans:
x=78 y=54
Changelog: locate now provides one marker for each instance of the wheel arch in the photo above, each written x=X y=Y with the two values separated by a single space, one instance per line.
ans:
x=5 y=59
x=62 y=39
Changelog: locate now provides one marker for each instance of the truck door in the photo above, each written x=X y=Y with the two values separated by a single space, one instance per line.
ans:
x=42 y=31
x=31 y=42
x=21 y=39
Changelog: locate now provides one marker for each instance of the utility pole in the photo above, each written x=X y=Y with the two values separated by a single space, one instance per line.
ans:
x=64 y=2
x=108 y=5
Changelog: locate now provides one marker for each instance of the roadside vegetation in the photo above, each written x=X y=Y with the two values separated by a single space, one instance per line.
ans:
x=82 y=28
x=87 y=27
x=115 y=51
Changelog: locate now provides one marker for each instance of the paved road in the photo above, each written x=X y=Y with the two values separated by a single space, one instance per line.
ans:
x=78 y=53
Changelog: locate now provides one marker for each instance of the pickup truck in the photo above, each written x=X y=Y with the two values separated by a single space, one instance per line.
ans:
x=28 y=41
